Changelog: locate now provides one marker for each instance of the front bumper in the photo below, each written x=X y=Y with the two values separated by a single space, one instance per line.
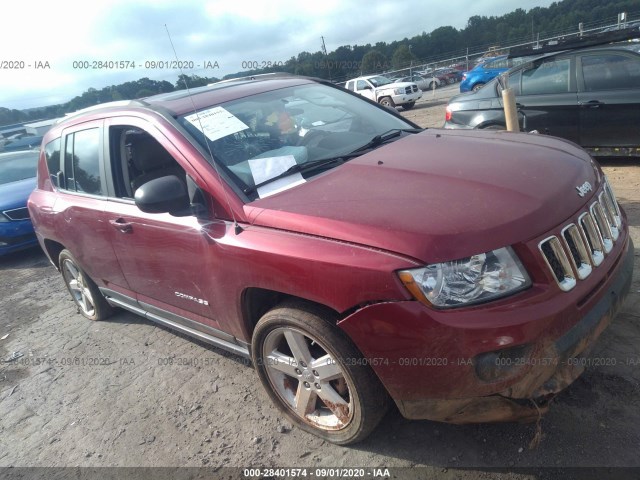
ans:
x=427 y=359
x=401 y=99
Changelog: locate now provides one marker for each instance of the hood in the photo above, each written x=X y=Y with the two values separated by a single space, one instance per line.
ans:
x=15 y=194
x=439 y=195
x=396 y=85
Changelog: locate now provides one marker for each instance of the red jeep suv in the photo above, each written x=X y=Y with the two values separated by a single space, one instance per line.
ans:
x=322 y=236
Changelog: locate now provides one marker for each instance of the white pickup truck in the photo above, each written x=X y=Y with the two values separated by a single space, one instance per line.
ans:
x=386 y=92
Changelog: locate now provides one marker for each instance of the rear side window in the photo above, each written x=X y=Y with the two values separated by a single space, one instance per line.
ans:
x=82 y=162
x=547 y=77
x=610 y=72
x=52 y=155
x=350 y=85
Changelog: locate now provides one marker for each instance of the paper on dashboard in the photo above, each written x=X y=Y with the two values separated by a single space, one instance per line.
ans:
x=264 y=169
x=216 y=122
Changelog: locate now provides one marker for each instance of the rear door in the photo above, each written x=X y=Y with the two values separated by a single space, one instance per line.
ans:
x=609 y=99
x=81 y=201
x=546 y=97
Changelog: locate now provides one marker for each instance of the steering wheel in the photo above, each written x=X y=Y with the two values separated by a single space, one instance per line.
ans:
x=311 y=139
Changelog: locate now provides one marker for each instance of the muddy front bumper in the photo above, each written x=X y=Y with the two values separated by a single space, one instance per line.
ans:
x=440 y=381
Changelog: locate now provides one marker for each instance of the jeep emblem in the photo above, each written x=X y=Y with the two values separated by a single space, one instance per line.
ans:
x=584 y=189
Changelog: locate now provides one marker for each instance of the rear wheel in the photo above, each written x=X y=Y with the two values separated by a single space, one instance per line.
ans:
x=83 y=290
x=432 y=85
x=315 y=375
x=477 y=86
x=494 y=127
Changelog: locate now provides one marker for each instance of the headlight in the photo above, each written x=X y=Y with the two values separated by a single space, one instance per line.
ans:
x=3 y=218
x=399 y=91
x=470 y=280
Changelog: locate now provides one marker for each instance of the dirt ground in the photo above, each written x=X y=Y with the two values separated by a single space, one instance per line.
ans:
x=126 y=392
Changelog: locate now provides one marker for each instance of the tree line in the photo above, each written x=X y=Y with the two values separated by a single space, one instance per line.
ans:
x=352 y=60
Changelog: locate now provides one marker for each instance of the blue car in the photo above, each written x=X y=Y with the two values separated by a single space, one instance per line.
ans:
x=484 y=72
x=17 y=181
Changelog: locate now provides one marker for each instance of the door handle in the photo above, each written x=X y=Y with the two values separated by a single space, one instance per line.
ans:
x=591 y=104
x=120 y=224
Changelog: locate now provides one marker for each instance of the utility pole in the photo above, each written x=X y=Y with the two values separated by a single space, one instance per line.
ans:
x=324 y=50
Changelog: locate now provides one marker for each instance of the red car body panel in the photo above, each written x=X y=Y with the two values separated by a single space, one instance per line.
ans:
x=339 y=239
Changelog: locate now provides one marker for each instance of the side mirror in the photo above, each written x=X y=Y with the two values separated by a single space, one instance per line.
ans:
x=366 y=87
x=163 y=195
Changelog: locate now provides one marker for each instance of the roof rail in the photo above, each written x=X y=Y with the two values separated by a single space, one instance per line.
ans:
x=574 y=41
x=259 y=76
x=117 y=103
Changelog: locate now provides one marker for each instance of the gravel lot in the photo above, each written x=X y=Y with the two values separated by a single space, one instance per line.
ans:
x=128 y=393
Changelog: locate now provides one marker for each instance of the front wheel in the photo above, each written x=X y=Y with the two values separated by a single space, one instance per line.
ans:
x=315 y=375
x=83 y=290
x=387 y=102
x=409 y=106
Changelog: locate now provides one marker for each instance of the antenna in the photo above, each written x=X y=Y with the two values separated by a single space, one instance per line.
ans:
x=237 y=228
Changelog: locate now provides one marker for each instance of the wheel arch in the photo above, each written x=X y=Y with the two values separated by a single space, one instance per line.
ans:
x=53 y=249
x=255 y=302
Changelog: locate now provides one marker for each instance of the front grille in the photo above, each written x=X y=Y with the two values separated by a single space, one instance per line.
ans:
x=581 y=247
x=17 y=213
x=415 y=88
x=407 y=90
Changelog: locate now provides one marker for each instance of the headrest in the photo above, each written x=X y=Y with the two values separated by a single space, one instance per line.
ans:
x=148 y=154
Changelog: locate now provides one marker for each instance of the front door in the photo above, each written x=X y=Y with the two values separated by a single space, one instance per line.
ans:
x=609 y=100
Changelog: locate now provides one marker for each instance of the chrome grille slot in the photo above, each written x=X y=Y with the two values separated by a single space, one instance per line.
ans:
x=17 y=213
x=612 y=204
x=609 y=216
x=579 y=254
x=558 y=262
x=603 y=227
x=591 y=234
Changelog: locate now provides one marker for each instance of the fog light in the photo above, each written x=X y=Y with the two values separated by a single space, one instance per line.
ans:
x=500 y=364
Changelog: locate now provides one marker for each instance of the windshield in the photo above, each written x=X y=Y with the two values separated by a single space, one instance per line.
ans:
x=259 y=137
x=18 y=166
x=379 y=81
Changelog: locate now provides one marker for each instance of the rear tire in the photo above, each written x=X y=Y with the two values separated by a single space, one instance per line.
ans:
x=477 y=87
x=84 y=292
x=315 y=375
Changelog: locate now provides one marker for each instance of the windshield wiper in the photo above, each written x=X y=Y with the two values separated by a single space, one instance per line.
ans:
x=297 y=168
x=383 y=137
x=340 y=159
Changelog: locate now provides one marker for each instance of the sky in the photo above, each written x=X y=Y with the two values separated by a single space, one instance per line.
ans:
x=46 y=46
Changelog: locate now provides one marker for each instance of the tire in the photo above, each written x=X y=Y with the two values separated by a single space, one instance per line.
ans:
x=477 y=87
x=431 y=84
x=494 y=127
x=409 y=106
x=347 y=399
x=84 y=292
x=387 y=102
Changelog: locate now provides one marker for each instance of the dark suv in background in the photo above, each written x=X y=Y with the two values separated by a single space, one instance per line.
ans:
x=590 y=96
x=322 y=236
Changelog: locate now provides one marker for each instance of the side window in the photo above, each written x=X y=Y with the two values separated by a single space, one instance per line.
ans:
x=546 y=77
x=82 y=162
x=514 y=82
x=610 y=72
x=136 y=158
x=350 y=85
x=361 y=85
x=52 y=155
